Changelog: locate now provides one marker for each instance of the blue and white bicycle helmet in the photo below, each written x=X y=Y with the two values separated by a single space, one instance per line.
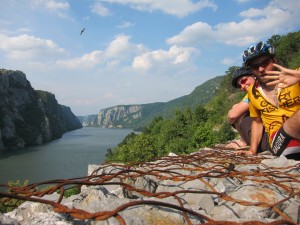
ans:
x=254 y=51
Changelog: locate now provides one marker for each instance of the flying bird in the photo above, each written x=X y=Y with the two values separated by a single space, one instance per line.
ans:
x=82 y=31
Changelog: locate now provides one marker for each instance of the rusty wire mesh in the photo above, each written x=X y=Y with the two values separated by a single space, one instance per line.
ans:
x=223 y=165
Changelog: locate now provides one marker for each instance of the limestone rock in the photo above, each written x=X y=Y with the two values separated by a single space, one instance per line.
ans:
x=209 y=185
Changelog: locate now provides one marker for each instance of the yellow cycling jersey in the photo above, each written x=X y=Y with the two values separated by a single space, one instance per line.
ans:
x=272 y=116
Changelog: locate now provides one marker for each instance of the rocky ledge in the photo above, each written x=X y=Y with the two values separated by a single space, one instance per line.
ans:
x=210 y=186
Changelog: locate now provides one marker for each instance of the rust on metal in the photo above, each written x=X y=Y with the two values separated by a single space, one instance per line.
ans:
x=223 y=164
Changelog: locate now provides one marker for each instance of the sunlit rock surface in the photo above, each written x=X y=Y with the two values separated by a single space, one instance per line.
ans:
x=207 y=186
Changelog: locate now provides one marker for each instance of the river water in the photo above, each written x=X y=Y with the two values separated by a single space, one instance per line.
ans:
x=67 y=157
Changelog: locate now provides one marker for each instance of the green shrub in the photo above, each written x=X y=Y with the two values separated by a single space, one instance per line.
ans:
x=8 y=205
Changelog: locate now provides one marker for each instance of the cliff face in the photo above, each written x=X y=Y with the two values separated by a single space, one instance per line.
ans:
x=119 y=116
x=87 y=121
x=29 y=117
x=123 y=116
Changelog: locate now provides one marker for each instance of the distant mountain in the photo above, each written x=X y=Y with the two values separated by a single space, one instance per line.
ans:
x=139 y=115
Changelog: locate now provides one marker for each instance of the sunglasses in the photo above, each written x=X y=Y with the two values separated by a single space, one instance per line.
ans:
x=242 y=81
x=263 y=64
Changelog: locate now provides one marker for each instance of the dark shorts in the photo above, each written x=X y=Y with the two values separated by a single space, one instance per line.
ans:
x=283 y=144
x=245 y=126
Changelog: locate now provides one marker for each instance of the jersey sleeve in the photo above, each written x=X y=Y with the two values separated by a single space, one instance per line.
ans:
x=246 y=99
x=253 y=111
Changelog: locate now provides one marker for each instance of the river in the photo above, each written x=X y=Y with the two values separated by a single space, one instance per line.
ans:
x=67 y=157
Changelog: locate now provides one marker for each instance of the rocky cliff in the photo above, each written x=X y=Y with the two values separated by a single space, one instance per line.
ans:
x=123 y=116
x=30 y=117
x=119 y=116
x=88 y=121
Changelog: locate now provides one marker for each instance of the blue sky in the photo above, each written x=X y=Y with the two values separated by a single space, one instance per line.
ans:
x=132 y=51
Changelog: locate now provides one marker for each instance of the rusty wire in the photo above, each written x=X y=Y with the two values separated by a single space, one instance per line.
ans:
x=200 y=166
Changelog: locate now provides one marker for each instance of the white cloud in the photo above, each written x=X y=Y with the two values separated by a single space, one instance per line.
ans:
x=161 y=58
x=29 y=47
x=120 y=54
x=120 y=47
x=277 y=17
x=88 y=60
x=52 y=5
x=179 y=8
x=99 y=9
x=190 y=35
x=142 y=62
x=119 y=50
x=59 y=7
x=289 y=5
x=252 y=13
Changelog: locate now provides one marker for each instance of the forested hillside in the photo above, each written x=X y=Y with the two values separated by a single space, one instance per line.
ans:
x=188 y=130
x=138 y=116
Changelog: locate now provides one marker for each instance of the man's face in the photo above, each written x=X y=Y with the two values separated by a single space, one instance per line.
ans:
x=260 y=66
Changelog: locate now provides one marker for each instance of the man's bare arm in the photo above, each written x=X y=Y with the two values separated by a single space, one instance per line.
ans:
x=237 y=111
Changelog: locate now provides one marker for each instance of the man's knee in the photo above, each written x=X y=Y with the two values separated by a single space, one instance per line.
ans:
x=292 y=125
